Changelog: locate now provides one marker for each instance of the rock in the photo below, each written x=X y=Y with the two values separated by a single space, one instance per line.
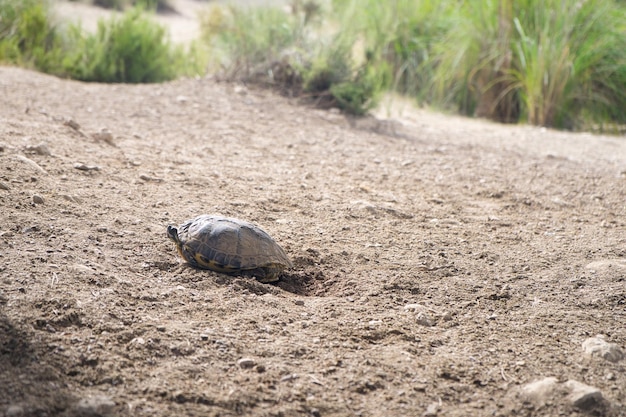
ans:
x=149 y=178
x=4 y=186
x=72 y=123
x=84 y=167
x=41 y=149
x=431 y=410
x=71 y=198
x=14 y=410
x=246 y=363
x=104 y=135
x=583 y=396
x=538 y=392
x=37 y=199
x=97 y=405
x=597 y=346
x=424 y=319
x=31 y=163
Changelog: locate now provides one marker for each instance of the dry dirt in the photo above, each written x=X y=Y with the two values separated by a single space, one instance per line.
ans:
x=441 y=263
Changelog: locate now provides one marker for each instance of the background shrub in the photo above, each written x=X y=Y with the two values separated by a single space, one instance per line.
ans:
x=27 y=37
x=131 y=49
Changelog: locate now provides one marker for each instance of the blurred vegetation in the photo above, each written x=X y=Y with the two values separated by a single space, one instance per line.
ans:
x=294 y=51
x=158 y=5
x=543 y=62
x=130 y=49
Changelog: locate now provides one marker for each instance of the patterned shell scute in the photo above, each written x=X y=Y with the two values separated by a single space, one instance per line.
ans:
x=233 y=243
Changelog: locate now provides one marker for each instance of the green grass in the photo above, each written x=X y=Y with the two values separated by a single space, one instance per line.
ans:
x=542 y=62
x=27 y=37
x=131 y=49
x=549 y=62
x=293 y=52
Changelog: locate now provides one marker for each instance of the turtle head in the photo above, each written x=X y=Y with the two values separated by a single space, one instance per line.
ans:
x=172 y=233
x=183 y=249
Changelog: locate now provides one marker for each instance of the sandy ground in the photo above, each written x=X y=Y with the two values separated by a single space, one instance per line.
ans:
x=441 y=264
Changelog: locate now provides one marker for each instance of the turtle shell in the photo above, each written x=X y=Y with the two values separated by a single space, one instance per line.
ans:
x=229 y=245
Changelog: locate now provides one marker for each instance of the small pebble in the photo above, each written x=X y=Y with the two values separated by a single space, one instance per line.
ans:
x=582 y=395
x=432 y=409
x=538 y=392
x=41 y=149
x=4 y=186
x=299 y=302
x=149 y=178
x=372 y=324
x=84 y=167
x=14 y=410
x=97 y=405
x=72 y=123
x=598 y=347
x=104 y=135
x=71 y=198
x=246 y=363
x=424 y=319
x=37 y=199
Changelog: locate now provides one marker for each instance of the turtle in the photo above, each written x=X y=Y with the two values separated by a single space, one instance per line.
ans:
x=229 y=245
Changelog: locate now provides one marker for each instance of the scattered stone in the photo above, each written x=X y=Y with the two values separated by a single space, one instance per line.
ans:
x=538 y=392
x=30 y=229
x=149 y=178
x=422 y=315
x=597 y=346
x=31 y=163
x=138 y=341
x=37 y=199
x=71 y=198
x=432 y=409
x=84 y=167
x=289 y=377
x=373 y=324
x=299 y=302
x=246 y=363
x=582 y=395
x=41 y=149
x=424 y=319
x=80 y=268
x=97 y=405
x=15 y=410
x=72 y=123
x=4 y=186
x=414 y=307
x=104 y=135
